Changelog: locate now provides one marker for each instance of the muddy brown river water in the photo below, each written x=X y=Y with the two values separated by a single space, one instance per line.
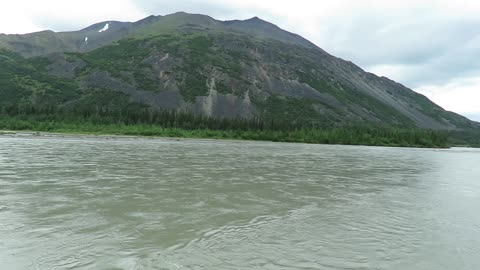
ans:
x=130 y=203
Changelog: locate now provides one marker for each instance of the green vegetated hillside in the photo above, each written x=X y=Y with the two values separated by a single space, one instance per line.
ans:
x=192 y=71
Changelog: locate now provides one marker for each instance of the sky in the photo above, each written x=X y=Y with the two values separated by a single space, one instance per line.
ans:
x=431 y=46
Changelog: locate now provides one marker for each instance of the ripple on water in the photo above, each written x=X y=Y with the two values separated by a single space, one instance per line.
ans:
x=78 y=203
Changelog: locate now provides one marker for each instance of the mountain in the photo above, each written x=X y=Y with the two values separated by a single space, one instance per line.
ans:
x=194 y=63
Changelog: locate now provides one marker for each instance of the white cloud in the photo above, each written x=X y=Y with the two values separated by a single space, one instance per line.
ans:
x=22 y=16
x=462 y=96
x=13 y=19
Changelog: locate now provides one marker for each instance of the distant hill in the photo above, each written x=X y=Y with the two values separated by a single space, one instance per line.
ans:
x=196 y=64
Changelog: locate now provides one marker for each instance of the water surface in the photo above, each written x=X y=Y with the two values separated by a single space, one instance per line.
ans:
x=126 y=203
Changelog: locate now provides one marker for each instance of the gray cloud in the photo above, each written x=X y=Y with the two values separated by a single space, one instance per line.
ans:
x=45 y=22
x=473 y=116
x=385 y=42
x=430 y=50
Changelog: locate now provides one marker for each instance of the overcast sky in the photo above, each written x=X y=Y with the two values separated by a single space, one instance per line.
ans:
x=431 y=46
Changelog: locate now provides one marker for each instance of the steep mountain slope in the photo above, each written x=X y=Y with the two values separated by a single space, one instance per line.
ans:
x=233 y=69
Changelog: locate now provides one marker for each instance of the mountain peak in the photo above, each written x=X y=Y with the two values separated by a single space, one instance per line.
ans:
x=183 y=14
x=259 y=69
x=148 y=20
x=257 y=20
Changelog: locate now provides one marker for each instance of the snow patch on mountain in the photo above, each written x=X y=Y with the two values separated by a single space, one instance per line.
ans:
x=86 y=40
x=105 y=28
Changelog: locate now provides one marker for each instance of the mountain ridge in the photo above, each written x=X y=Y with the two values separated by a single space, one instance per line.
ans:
x=127 y=26
x=234 y=69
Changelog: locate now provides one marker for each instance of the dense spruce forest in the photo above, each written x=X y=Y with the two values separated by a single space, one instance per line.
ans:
x=147 y=122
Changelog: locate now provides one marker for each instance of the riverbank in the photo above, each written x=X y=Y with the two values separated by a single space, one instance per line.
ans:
x=368 y=137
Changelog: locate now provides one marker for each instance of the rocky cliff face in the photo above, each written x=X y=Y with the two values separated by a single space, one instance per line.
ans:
x=221 y=69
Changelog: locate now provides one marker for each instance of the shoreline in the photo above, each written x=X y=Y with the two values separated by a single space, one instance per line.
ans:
x=109 y=136
x=30 y=133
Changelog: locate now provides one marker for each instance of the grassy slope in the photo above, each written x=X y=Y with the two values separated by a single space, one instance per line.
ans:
x=23 y=82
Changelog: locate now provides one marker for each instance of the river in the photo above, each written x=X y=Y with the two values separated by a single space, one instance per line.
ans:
x=139 y=203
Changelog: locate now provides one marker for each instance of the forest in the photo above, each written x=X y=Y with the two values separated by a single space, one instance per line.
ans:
x=148 y=122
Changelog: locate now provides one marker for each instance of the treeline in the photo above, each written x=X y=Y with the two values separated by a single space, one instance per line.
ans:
x=146 y=122
x=148 y=116
x=465 y=137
